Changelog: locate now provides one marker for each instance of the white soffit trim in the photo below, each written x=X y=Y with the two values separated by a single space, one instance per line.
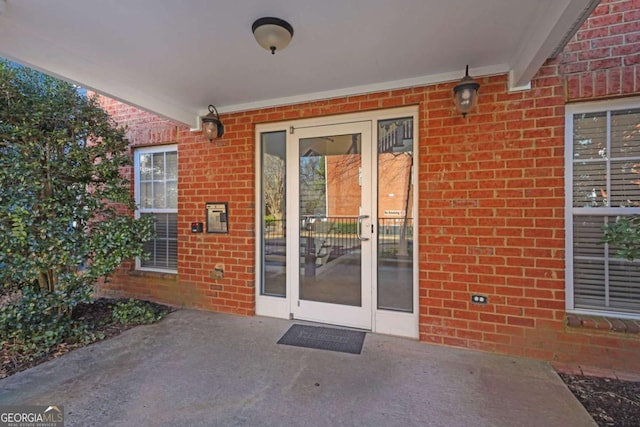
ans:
x=559 y=25
x=364 y=89
x=356 y=90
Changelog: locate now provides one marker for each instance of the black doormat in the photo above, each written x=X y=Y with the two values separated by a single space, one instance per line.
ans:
x=324 y=338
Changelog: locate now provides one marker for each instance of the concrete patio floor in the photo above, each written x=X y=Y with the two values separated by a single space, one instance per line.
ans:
x=207 y=369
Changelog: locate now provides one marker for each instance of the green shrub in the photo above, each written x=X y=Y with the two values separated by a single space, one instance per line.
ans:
x=135 y=312
x=39 y=321
x=63 y=197
x=624 y=236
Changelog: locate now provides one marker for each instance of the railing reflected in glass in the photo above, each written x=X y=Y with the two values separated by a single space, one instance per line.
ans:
x=324 y=240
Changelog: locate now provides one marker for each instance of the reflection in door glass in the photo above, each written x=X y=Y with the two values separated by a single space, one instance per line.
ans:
x=395 y=219
x=330 y=200
x=274 y=260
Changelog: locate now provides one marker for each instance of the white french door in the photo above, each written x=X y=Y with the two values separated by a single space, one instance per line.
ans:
x=336 y=221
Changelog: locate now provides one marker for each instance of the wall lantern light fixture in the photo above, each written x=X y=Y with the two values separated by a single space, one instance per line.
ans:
x=211 y=124
x=466 y=93
x=272 y=33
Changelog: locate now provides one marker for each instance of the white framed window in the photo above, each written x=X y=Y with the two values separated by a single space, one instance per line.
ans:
x=156 y=193
x=602 y=159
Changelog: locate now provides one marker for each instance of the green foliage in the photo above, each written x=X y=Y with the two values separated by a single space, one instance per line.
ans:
x=345 y=228
x=136 y=312
x=269 y=220
x=65 y=204
x=39 y=321
x=624 y=236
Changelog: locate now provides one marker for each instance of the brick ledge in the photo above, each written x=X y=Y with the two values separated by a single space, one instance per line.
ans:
x=591 y=371
x=627 y=326
x=154 y=274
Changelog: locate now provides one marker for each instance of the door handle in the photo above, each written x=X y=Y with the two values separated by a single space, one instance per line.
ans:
x=360 y=237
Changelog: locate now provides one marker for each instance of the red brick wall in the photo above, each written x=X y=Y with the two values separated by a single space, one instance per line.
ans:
x=343 y=186
x=491 y=217
x=491 y=203
x=491 y=222
x=144 y=129
x=603 y=59
x=343 y=194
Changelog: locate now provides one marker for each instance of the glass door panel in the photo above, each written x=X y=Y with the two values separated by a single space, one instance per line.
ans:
x=330 y=201
x=395 y=221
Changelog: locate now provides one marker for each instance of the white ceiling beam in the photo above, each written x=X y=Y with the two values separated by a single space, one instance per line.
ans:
x=546 y=37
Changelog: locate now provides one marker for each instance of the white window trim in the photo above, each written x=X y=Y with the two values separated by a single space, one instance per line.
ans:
x=136 y=192
x=570 y=111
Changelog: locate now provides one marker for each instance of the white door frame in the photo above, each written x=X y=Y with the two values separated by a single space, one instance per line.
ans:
x=383 y=321
x=344 y=315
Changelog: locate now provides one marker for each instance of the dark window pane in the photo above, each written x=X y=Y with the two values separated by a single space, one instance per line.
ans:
x=590 y=185
x=589 y=136
x=625 y=184
x=625 y=138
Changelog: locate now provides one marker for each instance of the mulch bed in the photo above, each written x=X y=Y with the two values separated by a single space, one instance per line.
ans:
x=97 y=315
x=610 y=402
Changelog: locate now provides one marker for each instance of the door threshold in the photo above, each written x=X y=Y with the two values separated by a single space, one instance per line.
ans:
x=332 y=325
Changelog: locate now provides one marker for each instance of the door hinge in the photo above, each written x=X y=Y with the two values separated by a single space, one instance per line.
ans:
x=371 y=228
x=298 y=303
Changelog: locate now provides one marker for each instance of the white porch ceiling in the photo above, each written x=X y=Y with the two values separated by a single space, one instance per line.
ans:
x=174 y=58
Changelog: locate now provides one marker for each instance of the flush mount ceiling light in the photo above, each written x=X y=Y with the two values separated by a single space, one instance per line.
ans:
x=211 y=124
x=466 y=93
x=272 y=33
